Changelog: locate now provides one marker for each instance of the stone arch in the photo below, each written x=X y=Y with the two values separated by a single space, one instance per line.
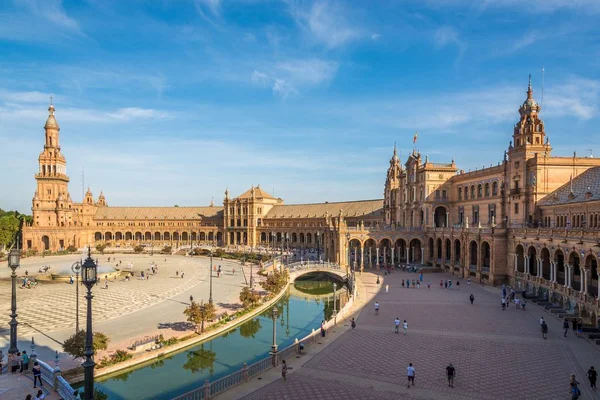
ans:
x=591 y=265
x=439 y=217
x=194 y=237
x=108 y=236
x=263 y=237
x=430 y=245
x=559 y=258
x=400 y=245
x=128 y=236
x=219 y=237
x=385 y=251
x=532 y=259
x=415 y=252
x=157 y=236
x=370 y=253
x=294 y=237
x=98 y=236
x=439 y=249
x=211 y=236
x=545 y=256
x=575 y=263
x=473 y=253
x=448 y=250
x=520 y=251
x=301 y=238
x=148 y=236
x=486 y=255
x=167 y=236
x=202 y=236
x=185 y=236
x=309 y=238
x=355 y=249
x=176 y=235
x=457 y=252
x=119 y=236
x=46 y=242
x=138 y=236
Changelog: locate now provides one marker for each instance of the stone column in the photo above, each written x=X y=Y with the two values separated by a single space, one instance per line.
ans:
x=406 y=251
x=384 y=255
x=516 y=258
x=447 y=219
x=552 y=276
x=584 y=278
x=422 y=255
x=393 y=263
x=377 y=259
x=568 y=275
x=370 y=257
x=526 y=263
x=362 y=257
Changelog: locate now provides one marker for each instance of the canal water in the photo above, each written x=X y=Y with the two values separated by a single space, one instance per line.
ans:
x=299 y=313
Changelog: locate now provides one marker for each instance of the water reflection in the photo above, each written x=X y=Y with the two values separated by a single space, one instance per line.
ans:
x=250 y=342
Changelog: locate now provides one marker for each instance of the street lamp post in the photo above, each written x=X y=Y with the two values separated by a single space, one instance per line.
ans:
x=319 y=246
x=202 y=313
x=274 y=345
x=334 y=303
x=76 y=268
x=210 y=299
x=89 y=277
x=348 y=250
x=14 y=259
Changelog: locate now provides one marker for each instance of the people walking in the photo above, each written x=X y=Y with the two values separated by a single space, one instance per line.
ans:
x=397 y=325
x=323 y=328
x=405 y=326
x=579 y=329
x=37 y=374
x=566 y=326
x=402 y=282
x=503 y=304
x=472 y=298
x=450 y=372
x=387 y=287
x=457 y=285
x=376 y=308
x=544 y=330
x=446 y=284
x=574 y=325
x=25 y=362
x=284 y=369
x=353 y=324
x=592 y=375
x=410 y=373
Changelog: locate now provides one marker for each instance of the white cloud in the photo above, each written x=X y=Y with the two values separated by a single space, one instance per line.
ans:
x=282 y=89
x=532 y=6
x=51 y=10
x=447 y=36
x=130 y=113
x=24 y=97
x=375 y=36
x=326 y=22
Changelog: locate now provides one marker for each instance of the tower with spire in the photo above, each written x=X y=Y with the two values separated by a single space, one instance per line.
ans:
x=392 y=184
x=51 y=204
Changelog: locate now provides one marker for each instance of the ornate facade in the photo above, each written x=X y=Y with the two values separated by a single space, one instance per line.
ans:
x=532 y=219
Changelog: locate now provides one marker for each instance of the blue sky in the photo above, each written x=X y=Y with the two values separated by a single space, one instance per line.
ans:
x=170 y=102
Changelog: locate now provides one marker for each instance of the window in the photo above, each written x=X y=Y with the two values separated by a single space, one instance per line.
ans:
x=437 y=194
x=487 y=190
x=495 y=189
x=444 y=194
x=466 y=192
x=491 y=213
x=479 y=191
x=475 y=214
x=460 y=193
x=516 y=208
x=461 y=214
x=473 y=192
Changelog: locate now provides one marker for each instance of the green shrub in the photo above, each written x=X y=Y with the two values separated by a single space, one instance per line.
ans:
x=138 y=248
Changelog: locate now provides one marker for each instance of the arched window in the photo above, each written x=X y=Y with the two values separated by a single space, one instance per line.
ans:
x=473 y=192
x=479 y=191
x=460 y=193
x=487 y=190
x=495 y=189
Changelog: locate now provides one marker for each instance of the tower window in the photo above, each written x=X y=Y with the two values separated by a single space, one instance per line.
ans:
x=516 y=208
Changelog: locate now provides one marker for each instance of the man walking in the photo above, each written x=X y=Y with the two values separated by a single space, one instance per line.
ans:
x=405 y=327
x=544 y=329
x=353 y=324
x=592 y=375
x=397 y=325
x=410 y=373
x=472 y=298
x=376 y=308
x=566 y=327
x=451 y=372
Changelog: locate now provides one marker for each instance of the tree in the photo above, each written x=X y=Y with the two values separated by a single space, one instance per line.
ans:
x=166 y=250
x=249 y=298
x=138 y=248
x=101 y=247
x=275 y=281
x=9 y=227
x=71 y=249
x=75 y=345
x=250 y=328
x=197 y=315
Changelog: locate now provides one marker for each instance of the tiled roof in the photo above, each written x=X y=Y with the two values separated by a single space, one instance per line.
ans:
x=258 y=193
x=349 y=209
x=158 y=213
x=585 y=187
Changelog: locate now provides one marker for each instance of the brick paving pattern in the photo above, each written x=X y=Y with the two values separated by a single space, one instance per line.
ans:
x=497 y=354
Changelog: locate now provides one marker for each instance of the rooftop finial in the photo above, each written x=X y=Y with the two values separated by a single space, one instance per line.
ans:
x=529 y=89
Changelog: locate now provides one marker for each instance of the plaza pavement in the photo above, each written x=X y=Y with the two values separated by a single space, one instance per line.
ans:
x=497 y=354
x=125 y=311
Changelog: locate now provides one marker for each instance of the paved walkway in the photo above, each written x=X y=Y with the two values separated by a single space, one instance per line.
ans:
x=497 y=354
x=126 y=310
x=17 y=387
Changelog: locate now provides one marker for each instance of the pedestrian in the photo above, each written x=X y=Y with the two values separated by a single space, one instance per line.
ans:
x=191 y=298
x=413 y=283
x=378 y=281
x=429 y=285
x=182 y=273
x=402 y=282
x=25 y=362
x=441 y=283
x=421 y=277
x=376 y=308
x=37 y=374
x=592 y=375
x=457 y=285
x=14 y=363
x=405 y=326
x=418 y=284
x=233 y=271
x=450 y=372
x=28 y=397
x=544 y=330
x=40 y=395
x=503 y=304
x=353 y=324
x=517 y=303
x=507 y=302
x=574 y=325
x=446 y=284
x=284 y=369
x=323 y=328
x=472 y=298
x=449 y=284
x=105 y=282
x=468 y=281
x=176 y=272
x=579 y=329
x=410 y=373
x=566 y=326
x=572 y=381
x=387 y=287
x=542 y=321
x=397 y=325
x=1 y=361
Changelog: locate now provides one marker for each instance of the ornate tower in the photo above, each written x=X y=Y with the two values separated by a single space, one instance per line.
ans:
x=52 y=203
x=392 y=184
